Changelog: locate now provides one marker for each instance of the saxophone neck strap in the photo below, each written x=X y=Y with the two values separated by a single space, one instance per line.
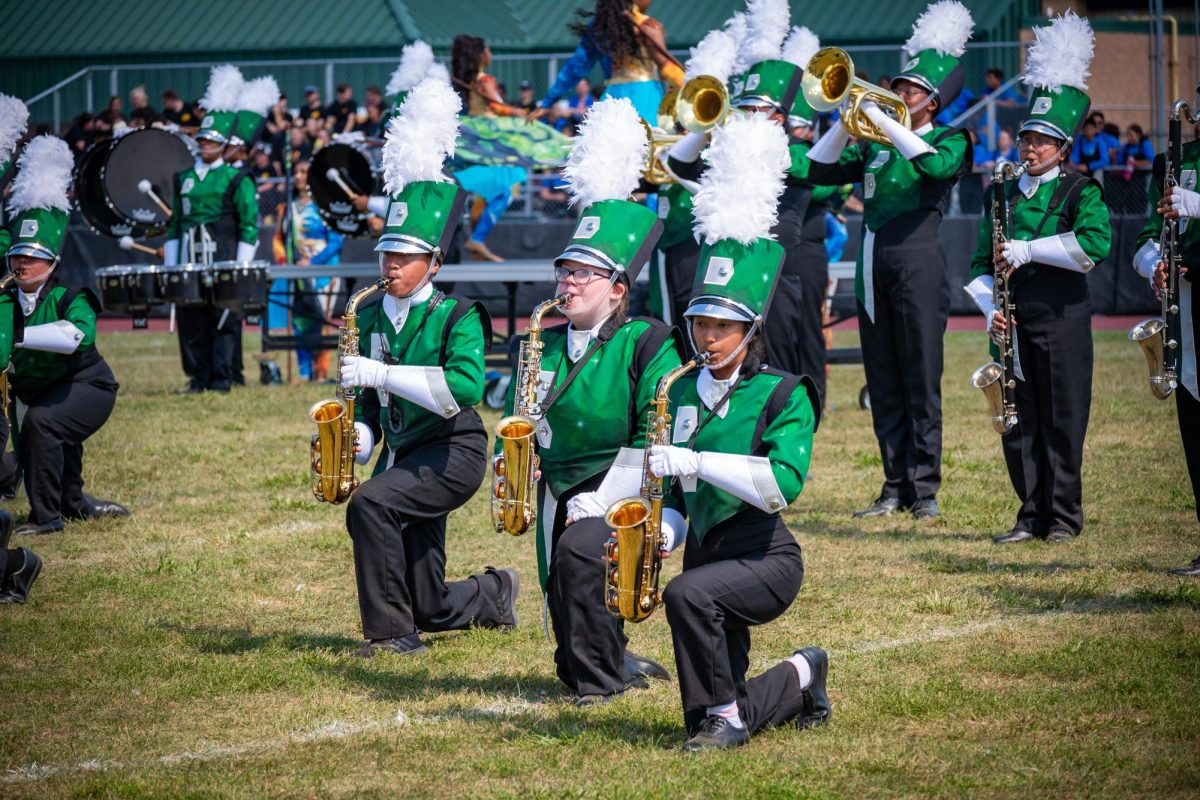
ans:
x=552 y=398
x=434 y=302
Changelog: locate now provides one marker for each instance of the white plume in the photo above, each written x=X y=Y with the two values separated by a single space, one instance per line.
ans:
x=13 y=118
x=945 y=26
x=767 y=23
x=609 y=154
x=415 y=61
x=739 y=193
x=43 y=176
x=800 y=46
x=259 y=95
x=224 y=88
x=714 y=55
x=1061 y=54
x=438 y=72
x=422 y=136
x=737 y=29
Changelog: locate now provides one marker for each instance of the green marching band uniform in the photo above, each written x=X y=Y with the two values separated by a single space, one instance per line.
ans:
x=422 y=372
x=1186 y=201
x=591 y=450
x=740 y=449
x=1060 y=230
x=901 y=281
x=64 y=390
x=214 y=217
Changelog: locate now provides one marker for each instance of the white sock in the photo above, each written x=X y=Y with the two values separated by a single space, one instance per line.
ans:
x=803 y=670
x=728 y=711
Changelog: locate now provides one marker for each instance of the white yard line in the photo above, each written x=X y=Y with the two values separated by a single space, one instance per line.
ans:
x=500 y=708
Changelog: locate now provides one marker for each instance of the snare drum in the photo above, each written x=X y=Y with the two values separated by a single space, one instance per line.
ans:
x=240 y=286
x=114 y=292
x=143 y=288
x=184 y=284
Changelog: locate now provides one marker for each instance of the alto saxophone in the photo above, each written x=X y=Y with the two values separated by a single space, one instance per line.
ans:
x=333 y=445
x=514 y=497
x=996 y=377
x=1159 y=336
x=633 y=554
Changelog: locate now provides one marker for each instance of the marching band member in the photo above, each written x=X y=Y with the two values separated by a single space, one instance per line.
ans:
x=426 y=372
x=598 y=378
x=1060 y=230
x=57 y=373
x=741 y=441
x=13 y=118
x=214 y=218
x=901 y=283
x=1184 y=205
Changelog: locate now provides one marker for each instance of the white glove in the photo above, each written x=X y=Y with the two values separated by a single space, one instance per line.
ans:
x=689 y=148
x=585 y=505
x=909 y=144
x=366 y=443
x=1017 y=253
x=246 y=251
x=1185 y=202
x=362 y=371
x=170 y=252
x=666 y=460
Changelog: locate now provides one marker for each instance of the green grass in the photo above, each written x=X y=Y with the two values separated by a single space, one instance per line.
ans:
x=200 y=647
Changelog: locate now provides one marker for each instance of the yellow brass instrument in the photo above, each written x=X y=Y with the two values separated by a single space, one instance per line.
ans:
x=514 y=490
x=829 y=82
x=995 y=378
x=1159 y=336
x=633 y=554
x=702 y=104
x=332 y=450
x=660 y=142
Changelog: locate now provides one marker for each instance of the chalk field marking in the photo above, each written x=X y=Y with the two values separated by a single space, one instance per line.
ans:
x=496 y=709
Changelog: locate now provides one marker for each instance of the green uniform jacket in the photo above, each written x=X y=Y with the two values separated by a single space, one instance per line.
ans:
x=453 y=336
x=1189 y=231
x=198 y=202
x=799 y=169
x=34 y=370
x=785 y=440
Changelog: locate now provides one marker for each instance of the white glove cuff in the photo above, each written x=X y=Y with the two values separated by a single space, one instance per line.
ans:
x=829 y=148
x=171 y=252
x=425 y=386
x=689 y=148
x=980 y=292
x=366 y=443
x=748 y=478
x=674 y=529
x=1061 y=251
x=60 y=337
x=377 y=205
x=246 y=251
x=624 y=477
x=1146 y=259
x=905 y=141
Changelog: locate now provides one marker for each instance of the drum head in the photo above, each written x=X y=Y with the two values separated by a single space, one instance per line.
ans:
x=150 y=154
x=332 y=202
x=89 y=194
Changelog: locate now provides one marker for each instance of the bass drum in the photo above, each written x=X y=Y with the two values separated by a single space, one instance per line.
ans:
x=354 y=164
x=110 y=175
x=89 y=195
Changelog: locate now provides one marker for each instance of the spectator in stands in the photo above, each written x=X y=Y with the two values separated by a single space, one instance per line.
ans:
x=312 y=104
x=1007 y=98
x=885 y=82
x=1006 y=149
x=1109 y=136
x=1137 y=152
x=525 y=99
x=114 y=106
x=573 y=111
x=278 y=124
x=340 y=115
x=965 y=99
x=176 y=111
x=81 y=134
x=1089 y=153
x=980 y=153
x=301 y=146
x=140 y=106
x=371 y=123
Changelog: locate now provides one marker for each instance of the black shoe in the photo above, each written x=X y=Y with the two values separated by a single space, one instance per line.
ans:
x=1190 y=571
x=31 y=528
x=410 y=645
x=16 y=588
x=647 y=668
x=817 y=710
x=1059 y=535
x=1013 y=536
x=506 y=600
x=6 y=528
x=716 y=733
x=95 y=508
x=925 y=509
x=883 y=507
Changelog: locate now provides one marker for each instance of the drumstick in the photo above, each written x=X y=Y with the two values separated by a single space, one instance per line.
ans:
x=145 y=188
x=336 y=176
x=127 y=243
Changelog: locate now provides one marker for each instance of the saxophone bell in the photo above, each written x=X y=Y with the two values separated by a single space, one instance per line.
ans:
x=1151 y=336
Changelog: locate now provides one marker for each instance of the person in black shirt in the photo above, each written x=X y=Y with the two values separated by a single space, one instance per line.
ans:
x=312 y=104
x=526 y=100
x=339 y=116
x=376 y=109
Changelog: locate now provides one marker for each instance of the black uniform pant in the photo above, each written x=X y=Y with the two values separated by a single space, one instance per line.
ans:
x=50 y=444
x=902 y=357
x=746 y=572
x=1189 y=429
x=681 y=261
x=209 y=344
x=795 y=334
x=8 y=463
x=397 y=522
x=1044 y=452
x=589 y=653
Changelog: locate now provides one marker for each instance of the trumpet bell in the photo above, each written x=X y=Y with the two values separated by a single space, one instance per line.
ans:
x=829 y=82
x=703 y=104
x=1150 y=335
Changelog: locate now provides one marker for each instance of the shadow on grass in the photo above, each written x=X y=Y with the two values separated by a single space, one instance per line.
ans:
x=235 y=641
x=903 y=530
x=1086 y=600
x=951 y=564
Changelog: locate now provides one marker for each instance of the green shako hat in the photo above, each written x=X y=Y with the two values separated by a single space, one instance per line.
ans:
x=416 y=64
x=770 y=83
x=1056 y=67
x=735 y=209
x=255 y=101
x=220 y=103
x=798 y=49
x=938 y=41
x=603 y=170
x=39 y=206
x=424 y=208
x=13 y=118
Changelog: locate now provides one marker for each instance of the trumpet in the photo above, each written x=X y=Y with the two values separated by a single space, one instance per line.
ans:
x=702 y=104
x=829 y=82
x=655 y=171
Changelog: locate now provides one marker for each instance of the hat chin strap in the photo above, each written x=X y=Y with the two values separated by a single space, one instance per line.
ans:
x=612 y=281
x=742 y=345
x=437 y=257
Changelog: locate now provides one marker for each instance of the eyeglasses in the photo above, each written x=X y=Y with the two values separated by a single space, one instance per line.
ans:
x=579 y=277
x=909 y=91
x=1035 y=144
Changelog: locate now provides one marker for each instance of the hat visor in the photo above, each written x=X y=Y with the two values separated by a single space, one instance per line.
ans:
x=719 y=308
x=32 y=249
x=590 y=256
x=402 y=244
x=912 y=77
x=1040 y=126
x=212 y=136
x=755 y=101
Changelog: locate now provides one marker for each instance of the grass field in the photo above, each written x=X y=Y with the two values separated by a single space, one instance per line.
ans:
x=200 y=647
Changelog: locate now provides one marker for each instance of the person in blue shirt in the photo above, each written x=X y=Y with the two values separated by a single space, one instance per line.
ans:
x=1137 y=148
x=1004 y=98
x=1109 y=136
x=1090 y=153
